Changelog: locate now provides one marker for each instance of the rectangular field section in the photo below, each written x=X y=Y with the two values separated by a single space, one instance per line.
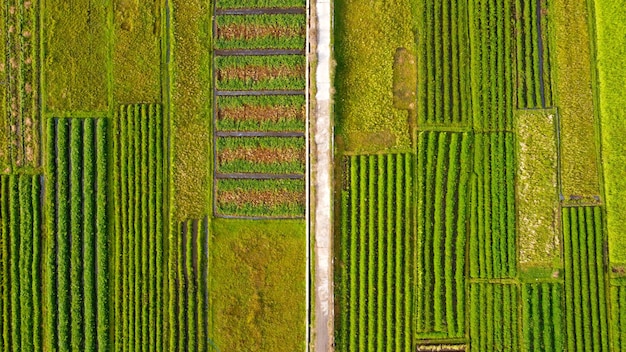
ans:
x=443 y=169
x=76 y=279
x=375 y=268
x=537 y=190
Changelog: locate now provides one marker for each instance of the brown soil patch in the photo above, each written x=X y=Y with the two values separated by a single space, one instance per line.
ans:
x=258 y=73
x=241 y=31
x=262 y=155
x=263 y=113
x=266 y=198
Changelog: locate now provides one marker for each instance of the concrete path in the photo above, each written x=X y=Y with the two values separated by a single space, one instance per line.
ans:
x=323 y=328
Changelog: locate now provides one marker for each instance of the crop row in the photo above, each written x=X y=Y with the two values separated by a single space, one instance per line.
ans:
x=491 y=64
x=260 y=72
x=271 y=198
x=444 y=73
x=532 y=55
x=20 y=261
x=492 y=227
x=22 y=81
x=262 y=113
x=377 y=246
x=279 y=31
x=275 y=155
x=139 y=262
x=542 y=319
x=585 y=296
x=188 y=310
x=494 y=317
x=618 y=317
x=230 y=4
x=76 y=279
x=442 y=184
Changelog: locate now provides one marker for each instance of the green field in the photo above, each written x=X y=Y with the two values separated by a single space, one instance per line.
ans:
x=516 y=171
x=116 y=231
x=162 y=165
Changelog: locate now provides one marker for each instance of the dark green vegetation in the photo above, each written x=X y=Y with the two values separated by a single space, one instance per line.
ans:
x=107 y=146
x=20 y=258
x=442 y=204
x=506 y=216
x=494 y=317
x=375 y=274
x=76 y=279
x=139 y=266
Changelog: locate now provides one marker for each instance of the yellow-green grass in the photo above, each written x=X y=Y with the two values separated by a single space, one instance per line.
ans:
x=257 y=281
x=191 y=113
x=537 y=189
x=611 y=61
x=367 y=35
x=137 y=51
x=75 y=55
x=4 y=126
x=573 y=96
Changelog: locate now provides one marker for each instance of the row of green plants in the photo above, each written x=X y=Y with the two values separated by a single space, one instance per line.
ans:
x=278 y=72
x=494 y=317
x=527 y=55
x=376 y=259
x=443 y=66
x=261 y=113
x=139 y=263
x=443 y=179
x=542 y=318
x=233 y=4
x=188 y=307
x=76 y=279
x=618 y=317
x=585 y=294
x=492 y=247
x=20 y=260
x=276 y=31
x=261 y=198
x=491 y=64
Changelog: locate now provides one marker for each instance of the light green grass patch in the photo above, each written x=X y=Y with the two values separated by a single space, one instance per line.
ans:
x=573 y=97
x=258 y=291
x=75 y=55
x=611 y=64
x=538 y=215
x=367 y=35
x=137 y=51
x=191 y=113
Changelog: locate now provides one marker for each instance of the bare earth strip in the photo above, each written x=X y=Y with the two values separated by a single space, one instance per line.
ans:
x=323 y=172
